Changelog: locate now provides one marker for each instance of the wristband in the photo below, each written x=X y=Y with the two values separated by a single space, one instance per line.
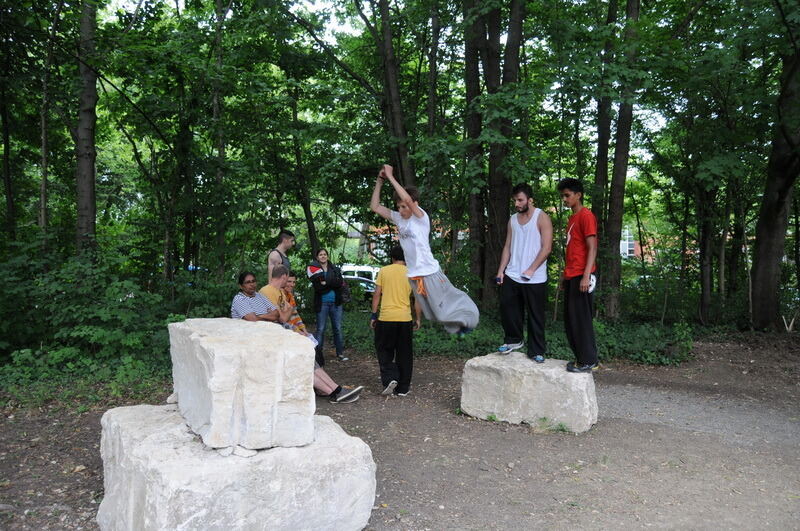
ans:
x=374 y=316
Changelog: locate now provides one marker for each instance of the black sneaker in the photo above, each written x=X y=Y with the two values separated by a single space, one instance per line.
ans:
x=571 y=367
x=346 y=396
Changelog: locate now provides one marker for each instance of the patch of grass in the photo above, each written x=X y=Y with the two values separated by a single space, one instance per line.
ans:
x=492 y=418
x=546 y=424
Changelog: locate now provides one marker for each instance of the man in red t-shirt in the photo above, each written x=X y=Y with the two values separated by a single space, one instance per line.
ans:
x=578 y=280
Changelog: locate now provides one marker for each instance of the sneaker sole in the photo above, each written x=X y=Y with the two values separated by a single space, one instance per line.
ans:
x=509 y=351
x=389 y=389
x=348 y=397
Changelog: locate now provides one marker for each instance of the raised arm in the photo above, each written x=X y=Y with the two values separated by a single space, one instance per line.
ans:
x=388 y=171
x=375 y=203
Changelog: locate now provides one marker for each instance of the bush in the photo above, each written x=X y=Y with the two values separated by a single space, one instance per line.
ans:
x=642 y=343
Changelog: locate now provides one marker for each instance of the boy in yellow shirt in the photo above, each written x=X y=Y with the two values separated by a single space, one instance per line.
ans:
x=393 y=329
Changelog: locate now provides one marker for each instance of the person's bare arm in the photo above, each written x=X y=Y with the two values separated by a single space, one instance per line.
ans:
x=505 y=256
x=591 y=255
x=375 y=203
x=546 y=232
x=273 y=259
x=388 y=171
x=376 y=299
x=285 y=313
x=271 y=316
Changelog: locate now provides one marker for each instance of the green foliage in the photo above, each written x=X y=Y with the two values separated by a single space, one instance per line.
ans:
x=646 y=343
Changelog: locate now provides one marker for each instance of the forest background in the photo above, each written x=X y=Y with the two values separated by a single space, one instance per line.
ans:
x=154 y=149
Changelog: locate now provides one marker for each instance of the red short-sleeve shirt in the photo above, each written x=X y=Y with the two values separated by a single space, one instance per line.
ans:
x=579 y=227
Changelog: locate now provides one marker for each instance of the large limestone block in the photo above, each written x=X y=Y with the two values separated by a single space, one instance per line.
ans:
x=515 y=389
x=158 y=475
x=243 y=383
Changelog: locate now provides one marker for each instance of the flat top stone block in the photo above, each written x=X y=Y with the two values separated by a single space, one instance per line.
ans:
x=513 y=388
x=159 y=476
x=243 y=383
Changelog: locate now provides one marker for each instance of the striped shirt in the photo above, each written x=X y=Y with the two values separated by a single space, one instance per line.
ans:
x=243 y=305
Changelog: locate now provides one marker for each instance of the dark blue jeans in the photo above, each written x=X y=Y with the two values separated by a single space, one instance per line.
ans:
x=335 y=312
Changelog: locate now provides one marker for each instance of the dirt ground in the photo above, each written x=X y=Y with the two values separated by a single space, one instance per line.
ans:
x=714 y=443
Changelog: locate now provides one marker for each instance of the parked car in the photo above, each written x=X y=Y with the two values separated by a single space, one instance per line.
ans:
x=366 y=285
x=361 y=271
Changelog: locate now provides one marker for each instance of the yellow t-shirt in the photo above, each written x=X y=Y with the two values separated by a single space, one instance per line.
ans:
x=395 y=293
x=274 y=295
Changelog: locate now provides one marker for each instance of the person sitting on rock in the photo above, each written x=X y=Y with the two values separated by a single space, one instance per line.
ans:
x=253 y=306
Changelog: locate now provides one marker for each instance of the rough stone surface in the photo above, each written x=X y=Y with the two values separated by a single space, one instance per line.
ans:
x=515 y=389
x=158 y=475
x=243 y=383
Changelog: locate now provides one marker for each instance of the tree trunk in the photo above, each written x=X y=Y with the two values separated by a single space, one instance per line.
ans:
x=737 y=242
x=44 y=113
x=603 y=127
x=796 y=217
x=782 y=171
x=723 y=243
x=85 y=151
x=705 y=227
x=11 y=223
x=183 y=150
x=473 y=34
x=396 y=116
x=219 y=132
x=612 y=269
x=499 y=188
x=302 y=183
x=433 y=68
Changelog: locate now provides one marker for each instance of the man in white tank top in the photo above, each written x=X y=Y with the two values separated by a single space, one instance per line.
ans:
x=522 y=275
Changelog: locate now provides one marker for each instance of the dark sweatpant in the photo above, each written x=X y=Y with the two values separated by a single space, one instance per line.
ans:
x=515 y=300
x=578 y=310
x=393 y=345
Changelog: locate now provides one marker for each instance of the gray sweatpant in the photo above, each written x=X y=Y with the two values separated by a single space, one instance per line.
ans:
x=444 y=303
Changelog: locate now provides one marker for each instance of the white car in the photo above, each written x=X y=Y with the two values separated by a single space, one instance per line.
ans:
x=361 y=271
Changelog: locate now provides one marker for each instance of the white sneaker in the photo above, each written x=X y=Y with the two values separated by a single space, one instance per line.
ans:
x=389 y=388
x=509 y=347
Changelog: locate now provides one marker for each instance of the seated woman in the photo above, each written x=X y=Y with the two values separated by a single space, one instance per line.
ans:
x=253 y=306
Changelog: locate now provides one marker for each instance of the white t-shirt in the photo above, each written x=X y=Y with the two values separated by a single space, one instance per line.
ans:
x=414 y=233
x=526 y=242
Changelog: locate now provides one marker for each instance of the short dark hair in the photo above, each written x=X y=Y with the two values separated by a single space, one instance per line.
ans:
x=573 y=185
x=524 y=188
x=292 y=274
x=279 y=270
x=410 y=190
x=397 y=254
x=243 y=275
x=285 y=234
x=316 y=254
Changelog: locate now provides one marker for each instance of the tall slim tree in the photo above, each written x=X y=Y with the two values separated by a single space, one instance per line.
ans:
x=613 y=228
x=85 y=150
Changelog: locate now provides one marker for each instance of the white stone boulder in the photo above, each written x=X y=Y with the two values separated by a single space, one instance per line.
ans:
x=243 y=383
x=515 y=389
x=159 y=476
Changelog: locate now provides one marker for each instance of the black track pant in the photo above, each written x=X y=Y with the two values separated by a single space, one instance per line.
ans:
x=515 y=300
x=393 y=345
x=578 y=310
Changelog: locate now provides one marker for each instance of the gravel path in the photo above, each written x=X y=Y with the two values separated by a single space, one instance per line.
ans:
x=738 y=421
